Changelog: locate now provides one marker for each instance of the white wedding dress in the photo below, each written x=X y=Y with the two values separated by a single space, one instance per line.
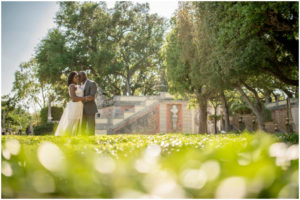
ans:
x=70 y=121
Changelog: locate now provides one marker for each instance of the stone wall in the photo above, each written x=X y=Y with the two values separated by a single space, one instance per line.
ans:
x=114 y=111
x=148 y=123
x=247 y=120
x=173 y=116
x=279 y=116
x=295 y=116
x=169 y=116
x=278 y=119
x=187 y=119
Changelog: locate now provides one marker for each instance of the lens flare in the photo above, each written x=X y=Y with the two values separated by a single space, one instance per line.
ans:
x=51 y=157
x=13 y=146
x=6 y=169
x=43 y=182
x=233 y=187
x=104 y=164
x=212 y=169
x=192 y=178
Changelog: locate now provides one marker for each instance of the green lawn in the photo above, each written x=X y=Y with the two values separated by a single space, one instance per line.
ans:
x=134 y=166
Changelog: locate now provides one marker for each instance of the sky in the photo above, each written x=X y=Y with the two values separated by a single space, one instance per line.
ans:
x=25 y=24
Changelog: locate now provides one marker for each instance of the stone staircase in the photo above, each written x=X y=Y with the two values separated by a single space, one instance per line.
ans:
x=123 y=109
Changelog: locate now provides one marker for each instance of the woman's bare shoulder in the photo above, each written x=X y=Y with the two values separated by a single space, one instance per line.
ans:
x=72 y=86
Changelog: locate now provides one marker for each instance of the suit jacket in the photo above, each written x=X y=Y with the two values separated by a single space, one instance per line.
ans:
x=89 y=107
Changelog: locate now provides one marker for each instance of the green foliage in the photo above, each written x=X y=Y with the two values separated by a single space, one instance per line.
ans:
x=276 y=25
x=118 y=47
x=161 y=166
x=291 y=138
x=13 y=116
x=28 y=88
x=56 y=113
x=53 y=57
x=248 y=47
x=212 y=117
x=45 y=128
x=241 y=109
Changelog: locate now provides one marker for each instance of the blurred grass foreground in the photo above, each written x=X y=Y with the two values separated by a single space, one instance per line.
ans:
x=243 y=165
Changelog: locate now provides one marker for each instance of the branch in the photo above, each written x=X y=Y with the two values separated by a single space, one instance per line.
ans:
x=276 y=23
x=278 y=74
x=254 y=92
x=120 y=74
x=113 y=85
x=93 y=71
x=137 y=66
x=251 y=89
x=33 y=97
x=246 y=98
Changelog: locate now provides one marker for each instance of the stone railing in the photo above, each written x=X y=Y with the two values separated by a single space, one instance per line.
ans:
x=280 y=104
x=103 y=102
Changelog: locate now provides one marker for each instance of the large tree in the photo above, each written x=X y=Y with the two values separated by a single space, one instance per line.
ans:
x=183 y=64
x=119 y=47
x=54 y=61
x=253 y=60
x=28 y=88
x=220 y=46
x=273 y=24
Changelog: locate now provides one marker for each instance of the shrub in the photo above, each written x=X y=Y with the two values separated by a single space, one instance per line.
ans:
x=45 y=129
x=292 y=138
x=241 y=109
x=56 y=113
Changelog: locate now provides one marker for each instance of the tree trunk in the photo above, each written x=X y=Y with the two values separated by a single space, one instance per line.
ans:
x=268 y=98
x=260 y=120
x=43 y=96
x=215 y=119
x=203 y=115
x=288 y=93
x=128 y=83
x=127 y=87
x=226 y=111
x=257 y=110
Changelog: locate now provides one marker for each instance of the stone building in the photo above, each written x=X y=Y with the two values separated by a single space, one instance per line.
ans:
x=148 y=115
x=280 y=116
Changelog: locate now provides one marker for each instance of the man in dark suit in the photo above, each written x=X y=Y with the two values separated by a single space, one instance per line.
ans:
x=89 y=107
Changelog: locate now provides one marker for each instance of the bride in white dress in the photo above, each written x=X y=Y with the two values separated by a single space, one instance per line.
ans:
x=70 y=122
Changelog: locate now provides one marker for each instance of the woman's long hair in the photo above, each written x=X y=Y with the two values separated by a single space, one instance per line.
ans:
x=71 y=77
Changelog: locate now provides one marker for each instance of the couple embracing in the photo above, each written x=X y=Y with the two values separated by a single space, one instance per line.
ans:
x=78 y=117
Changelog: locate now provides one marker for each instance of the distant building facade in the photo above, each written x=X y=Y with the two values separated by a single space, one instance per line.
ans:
x=149 y=115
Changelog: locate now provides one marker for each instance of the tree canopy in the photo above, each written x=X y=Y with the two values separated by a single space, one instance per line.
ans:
x=118 y=47
x=248 y=47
